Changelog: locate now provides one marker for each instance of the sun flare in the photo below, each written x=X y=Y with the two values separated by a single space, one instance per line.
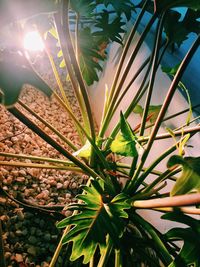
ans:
x=33 y=42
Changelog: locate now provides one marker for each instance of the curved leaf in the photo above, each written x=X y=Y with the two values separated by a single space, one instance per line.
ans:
x=190 y=177
x=177 y=29
x=178 y=216
x=14 y=75
x=84 y=151
x=125 y=142
x=189 y=253
x=96 y=219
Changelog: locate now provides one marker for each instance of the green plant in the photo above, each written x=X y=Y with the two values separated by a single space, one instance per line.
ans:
x=106 y=228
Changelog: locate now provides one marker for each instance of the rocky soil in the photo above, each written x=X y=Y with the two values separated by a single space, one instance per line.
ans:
x=29 y=234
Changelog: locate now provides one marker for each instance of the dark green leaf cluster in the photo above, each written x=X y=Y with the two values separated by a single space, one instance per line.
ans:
x=125 y=142
x=109 y=30
x=177 y=28
x=190 y=177
x=97 y=30
x=189 y=253
x=96 y=219
x=90 y=55
x=119 y=6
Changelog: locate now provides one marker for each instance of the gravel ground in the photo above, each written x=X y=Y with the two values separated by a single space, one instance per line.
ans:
x=29 y=235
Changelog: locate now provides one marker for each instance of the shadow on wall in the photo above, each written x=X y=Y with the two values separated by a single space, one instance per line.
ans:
x=192 y=74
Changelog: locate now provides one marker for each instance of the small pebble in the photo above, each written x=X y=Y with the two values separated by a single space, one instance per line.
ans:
x=59 y=185
x=20 y=215
x=19 y=233
x=18 y=258
x=7 y=255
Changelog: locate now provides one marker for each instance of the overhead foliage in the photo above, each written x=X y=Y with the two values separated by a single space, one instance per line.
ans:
x=177 y=28
x=162 y=5
x=120 y=6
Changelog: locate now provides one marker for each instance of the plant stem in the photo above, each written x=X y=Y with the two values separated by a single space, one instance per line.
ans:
x=76 y=37
x=186 y=124
x=22 y=156
x=124 y=75
x=66 y=230
x=133 y=166
x=130 y=83
x=164 y=108
x=91 y=264
x=68 y=41
x=104 y=256
x=47 y=124
x=140 y=92
x=125 y=51
x=163 y=176
x=59 y=247
x=194 y=211
x=70 y=70
x=175 y=115
x=154 y=172
x=175 y=201
x=57 y=77
x=194 y=129
x=51 y=141
x=97 y=150
x=153 y=72
x=117 y=258
x=60 y=86
x=148 y=170
x=159 y=245
x=40 y=166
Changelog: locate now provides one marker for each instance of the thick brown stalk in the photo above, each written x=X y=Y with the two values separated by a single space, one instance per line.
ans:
x=187 y=210
x=175 y=201
x=66 y=40
x=176 y=133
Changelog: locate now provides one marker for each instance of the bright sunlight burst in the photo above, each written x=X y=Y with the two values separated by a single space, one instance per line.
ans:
x=33 y=42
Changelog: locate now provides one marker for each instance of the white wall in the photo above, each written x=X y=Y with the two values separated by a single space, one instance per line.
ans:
x=161 y=87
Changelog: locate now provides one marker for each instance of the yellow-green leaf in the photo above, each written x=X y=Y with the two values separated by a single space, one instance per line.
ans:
x=60 y=53
x=95 y=221
x=62 y=64
x=84 y=151
x=125 y=142
x=190 y=176
x=54 y=33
